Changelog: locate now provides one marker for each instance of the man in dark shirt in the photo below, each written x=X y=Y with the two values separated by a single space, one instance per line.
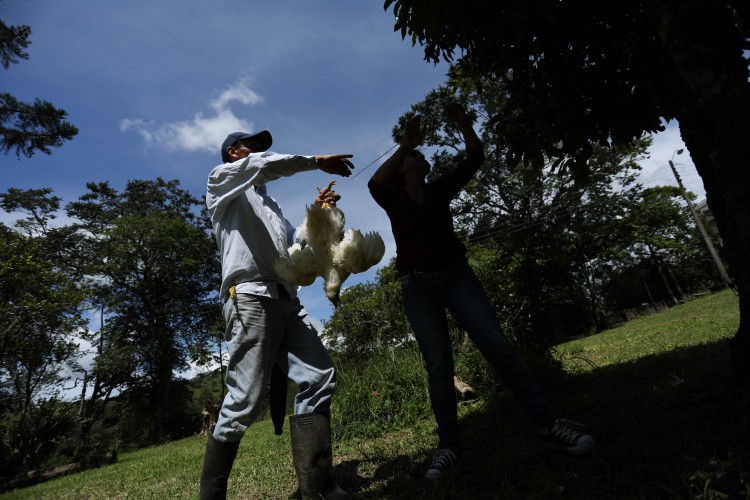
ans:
x=435 y=275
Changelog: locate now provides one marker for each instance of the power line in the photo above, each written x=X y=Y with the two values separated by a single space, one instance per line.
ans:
x=548 y=217
x=369 y=165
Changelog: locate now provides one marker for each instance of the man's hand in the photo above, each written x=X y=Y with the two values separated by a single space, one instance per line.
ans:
x=327 y=196
x=412 y=133
x=455 y=112
x=335 y=164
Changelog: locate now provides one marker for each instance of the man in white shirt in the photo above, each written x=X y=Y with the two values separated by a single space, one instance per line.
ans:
x=265 y=324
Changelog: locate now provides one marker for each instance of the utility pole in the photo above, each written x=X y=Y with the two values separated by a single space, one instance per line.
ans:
x=704 y=233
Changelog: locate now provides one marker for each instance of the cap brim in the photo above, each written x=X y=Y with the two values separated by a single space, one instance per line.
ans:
x=263 y=138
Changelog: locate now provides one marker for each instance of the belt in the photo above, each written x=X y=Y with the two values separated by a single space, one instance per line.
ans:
x=454 y=263
x=281 y=289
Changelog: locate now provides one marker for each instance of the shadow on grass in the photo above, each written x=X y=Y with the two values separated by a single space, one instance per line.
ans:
x=391 y=478
x=672 y=425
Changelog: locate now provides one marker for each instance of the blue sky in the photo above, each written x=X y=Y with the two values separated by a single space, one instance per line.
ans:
x=155 y=86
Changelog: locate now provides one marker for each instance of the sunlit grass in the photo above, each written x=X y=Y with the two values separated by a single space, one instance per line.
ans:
x=693 y=323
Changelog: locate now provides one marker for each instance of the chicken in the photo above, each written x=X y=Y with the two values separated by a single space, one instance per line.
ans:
x=327 y=251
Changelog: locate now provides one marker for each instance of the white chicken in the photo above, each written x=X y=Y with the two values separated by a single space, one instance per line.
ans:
x=328 y=251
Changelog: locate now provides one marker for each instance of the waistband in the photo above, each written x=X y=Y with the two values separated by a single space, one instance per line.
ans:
x=280 y=288
x=451 y=264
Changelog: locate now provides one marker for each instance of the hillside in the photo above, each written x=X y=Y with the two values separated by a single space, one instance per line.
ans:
x=655 y=392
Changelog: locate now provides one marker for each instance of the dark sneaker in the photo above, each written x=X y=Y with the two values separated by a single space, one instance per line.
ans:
x=444 y=459
x=569 y=436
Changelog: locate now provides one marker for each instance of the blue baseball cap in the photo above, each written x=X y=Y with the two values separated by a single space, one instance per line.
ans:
x=263 y=138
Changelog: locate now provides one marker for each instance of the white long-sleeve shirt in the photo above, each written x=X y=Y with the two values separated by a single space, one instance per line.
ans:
x=249 y=227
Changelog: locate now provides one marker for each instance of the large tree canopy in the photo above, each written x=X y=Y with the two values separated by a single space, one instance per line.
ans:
x=153 y=266
x=604 y=72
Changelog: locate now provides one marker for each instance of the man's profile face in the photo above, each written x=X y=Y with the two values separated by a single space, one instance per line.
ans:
x=242 y=148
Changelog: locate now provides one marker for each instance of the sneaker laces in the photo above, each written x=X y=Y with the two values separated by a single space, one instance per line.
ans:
x=443 y=459
x=567 y=431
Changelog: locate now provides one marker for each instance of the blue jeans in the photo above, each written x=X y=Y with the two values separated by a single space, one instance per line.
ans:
x=262 y=331
x=426 y=297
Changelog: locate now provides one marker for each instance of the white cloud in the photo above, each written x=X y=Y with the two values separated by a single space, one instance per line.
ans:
x=140 y=126
x=239 y=92
x=201 y=133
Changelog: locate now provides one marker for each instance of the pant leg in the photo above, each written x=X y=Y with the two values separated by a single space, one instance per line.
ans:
x=305 y=359
x=254 y=331
x=471 y=308
x=425 y=309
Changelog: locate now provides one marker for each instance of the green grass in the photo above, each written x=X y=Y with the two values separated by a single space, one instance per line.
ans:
x=262 y=470
x=655 y=392
x=697 y=322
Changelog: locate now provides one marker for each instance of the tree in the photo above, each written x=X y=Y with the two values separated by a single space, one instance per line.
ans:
x=666 y=256
x=42 y=307
x=153 y=263
x=27 y=128
x=40 y=313
x=59 y=241
x=662 y=233
x=606 y=72
x=369 y=316
x=546 y=228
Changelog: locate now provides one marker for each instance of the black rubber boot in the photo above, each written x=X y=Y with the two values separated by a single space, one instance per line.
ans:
x=217 y=464
x=313 y=457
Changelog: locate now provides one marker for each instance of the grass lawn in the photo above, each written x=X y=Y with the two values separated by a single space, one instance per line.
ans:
x=656 y=394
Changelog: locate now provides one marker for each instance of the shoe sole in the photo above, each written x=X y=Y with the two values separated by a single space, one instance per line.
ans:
x=581 y=448
x=439 y=474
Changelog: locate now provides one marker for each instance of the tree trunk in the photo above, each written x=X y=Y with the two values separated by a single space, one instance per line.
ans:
x=672 y=299
x=678 y=288
x=711 y=101
x=161 y=400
